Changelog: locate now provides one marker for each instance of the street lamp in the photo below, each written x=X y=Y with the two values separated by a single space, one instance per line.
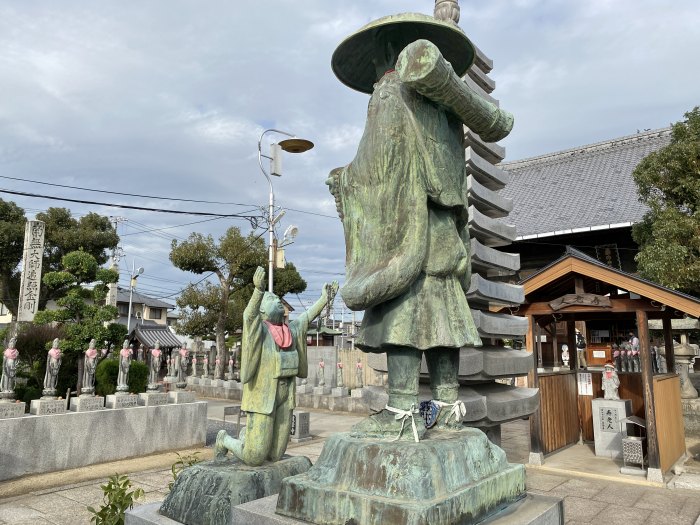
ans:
x=290 y=145
x=134 y=275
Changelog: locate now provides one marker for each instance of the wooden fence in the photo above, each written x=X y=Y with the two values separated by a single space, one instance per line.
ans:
x=669 y=419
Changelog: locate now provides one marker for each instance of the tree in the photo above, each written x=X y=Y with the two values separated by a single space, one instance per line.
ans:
x=11 y=247
x=81 y=286
x=668 y=181
x=92 y=233
x=211 y=310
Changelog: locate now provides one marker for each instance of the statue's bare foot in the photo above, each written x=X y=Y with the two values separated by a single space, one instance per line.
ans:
x=220 y=449
x=384 y=424
x=450 y=416
x=447 y=421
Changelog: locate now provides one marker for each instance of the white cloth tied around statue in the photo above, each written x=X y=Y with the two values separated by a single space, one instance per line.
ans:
x=403 y=416
x=458 y=409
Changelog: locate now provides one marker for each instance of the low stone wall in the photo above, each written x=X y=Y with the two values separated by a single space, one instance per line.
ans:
x=358 y=405
x=341 y=404
x=691 y=417
x=38 y=444
x=216 y=392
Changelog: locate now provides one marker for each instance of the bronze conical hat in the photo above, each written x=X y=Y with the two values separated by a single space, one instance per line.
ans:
x=352 y=60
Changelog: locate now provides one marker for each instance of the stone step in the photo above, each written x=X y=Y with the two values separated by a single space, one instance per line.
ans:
x=487 y=201
x=503 y=326
x=491 y=151
x=478 y=76
x=484 y=292
x=486 y=259
x=491 y=232
x=484 y=172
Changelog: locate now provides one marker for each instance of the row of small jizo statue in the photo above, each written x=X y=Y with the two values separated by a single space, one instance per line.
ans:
x=177 y=366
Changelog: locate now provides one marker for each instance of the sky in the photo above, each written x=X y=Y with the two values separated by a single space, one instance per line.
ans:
x=167 y=100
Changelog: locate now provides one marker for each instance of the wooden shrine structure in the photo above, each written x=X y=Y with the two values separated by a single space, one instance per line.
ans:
x=575 y=291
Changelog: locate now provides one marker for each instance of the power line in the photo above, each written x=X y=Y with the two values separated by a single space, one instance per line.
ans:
x=122 y=193
x=156 y=197
x=312 y=213
x=172 y=227
x=252 y=219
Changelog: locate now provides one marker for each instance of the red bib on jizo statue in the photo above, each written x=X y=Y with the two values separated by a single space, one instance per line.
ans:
x=280 y=333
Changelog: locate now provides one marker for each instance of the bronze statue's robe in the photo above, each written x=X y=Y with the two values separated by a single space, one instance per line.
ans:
x=403 y=202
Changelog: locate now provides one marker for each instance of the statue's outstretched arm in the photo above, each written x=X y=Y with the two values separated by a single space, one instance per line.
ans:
x=422 y=67
x=318 y=306
x=251 y=344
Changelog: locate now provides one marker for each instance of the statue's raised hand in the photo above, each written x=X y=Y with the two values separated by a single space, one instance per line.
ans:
x=329 y=290
x=259 y=278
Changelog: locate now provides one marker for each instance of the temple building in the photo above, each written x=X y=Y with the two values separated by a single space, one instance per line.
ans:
x=582 y=197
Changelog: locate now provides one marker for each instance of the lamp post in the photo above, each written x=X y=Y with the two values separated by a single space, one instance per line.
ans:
x=290 y=145
x=134 y=275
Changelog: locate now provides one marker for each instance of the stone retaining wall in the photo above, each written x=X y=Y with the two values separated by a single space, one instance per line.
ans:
x=39 y=444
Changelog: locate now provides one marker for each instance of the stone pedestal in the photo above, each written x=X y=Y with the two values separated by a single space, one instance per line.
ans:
x=122 y=401
x=8 y=410
x=357 y=392
x=192 y=380
x=181 y=396
x=217 y=382
x=86 y=403
x=340 y=391
x=149 y=399
x=322 y=390
x=204 y=493
x=42 y=407
x=449 y=477
x=205 y=381
x=305 y=389
x=301 y=425
x=533 y=509
x=607 y=414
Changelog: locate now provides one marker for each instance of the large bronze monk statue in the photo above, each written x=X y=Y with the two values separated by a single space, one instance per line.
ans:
x=403 y=203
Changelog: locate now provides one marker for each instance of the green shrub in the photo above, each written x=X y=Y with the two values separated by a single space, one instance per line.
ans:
x=108 y=370
x=117 y=500
x=27 y=393
x=106 y=377
x=138 y=377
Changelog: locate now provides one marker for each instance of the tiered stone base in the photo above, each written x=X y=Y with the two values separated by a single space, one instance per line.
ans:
x=8 y=410
x=533 y=509
x=181 y=396
x=204 y=493
x=150 y=399
x=86 y=403
x=448 y=478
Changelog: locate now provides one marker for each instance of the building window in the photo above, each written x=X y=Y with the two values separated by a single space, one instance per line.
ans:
x=155 y=313
x=123 y=309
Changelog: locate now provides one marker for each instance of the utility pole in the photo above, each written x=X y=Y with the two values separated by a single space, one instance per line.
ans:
x=117 y=254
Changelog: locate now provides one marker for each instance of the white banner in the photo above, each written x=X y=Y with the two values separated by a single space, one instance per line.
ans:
x=31 y=270
x=585 y=383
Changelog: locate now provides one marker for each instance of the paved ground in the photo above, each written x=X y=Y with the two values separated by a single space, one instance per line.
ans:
x=62 y=498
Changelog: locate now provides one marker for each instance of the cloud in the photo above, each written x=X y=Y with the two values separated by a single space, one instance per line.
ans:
x=169 y=99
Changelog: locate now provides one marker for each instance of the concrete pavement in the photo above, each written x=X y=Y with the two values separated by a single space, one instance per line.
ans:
x=62 y=498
